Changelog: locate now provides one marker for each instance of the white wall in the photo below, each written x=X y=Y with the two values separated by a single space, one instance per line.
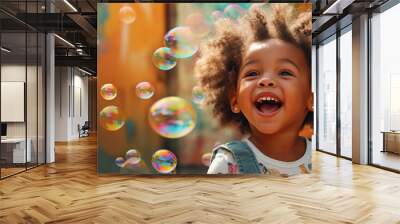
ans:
x=80 y=111
x=61 y=103
x=71 y=94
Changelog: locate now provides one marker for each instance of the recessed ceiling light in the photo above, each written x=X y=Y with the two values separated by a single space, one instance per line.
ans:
x=5 y=50
x=70 y=5
x=84 y=71
x=64 y=40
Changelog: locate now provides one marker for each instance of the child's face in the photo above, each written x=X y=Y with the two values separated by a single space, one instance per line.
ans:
x=273 y=89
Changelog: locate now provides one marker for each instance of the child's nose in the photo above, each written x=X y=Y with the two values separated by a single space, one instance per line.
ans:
x=266 y=82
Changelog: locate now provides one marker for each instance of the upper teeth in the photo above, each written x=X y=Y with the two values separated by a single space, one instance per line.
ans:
x=267 y=98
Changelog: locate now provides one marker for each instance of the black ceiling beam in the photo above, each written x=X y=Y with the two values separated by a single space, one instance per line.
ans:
x=84 y=24
x=83 y=61
x=45 y=22
x=8 y=24
x=63 y=51
x=91 y=5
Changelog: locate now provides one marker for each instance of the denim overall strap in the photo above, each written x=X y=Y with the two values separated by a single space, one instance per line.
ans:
x=244 y=157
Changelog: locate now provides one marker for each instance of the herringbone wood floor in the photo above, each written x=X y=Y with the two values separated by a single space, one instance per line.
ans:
x=70 y=191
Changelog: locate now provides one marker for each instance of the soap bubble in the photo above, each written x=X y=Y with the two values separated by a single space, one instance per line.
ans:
x=181 y=41
x=172 y=117
x=198 y=24
x=111 y=119
x=127 y=15
x=198 y=95
x=206 y=159
x=144 y=90
x=108 y=91
x=119 y=161
x=163 y=58
x=131 y=160
x=132 y=157
x=233 y=11
x=164 y=161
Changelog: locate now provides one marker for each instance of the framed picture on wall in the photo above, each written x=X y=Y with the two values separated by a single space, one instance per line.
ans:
x=204 y=88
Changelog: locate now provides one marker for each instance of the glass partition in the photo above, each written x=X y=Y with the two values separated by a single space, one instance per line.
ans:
x=14 y=153
x=385 y=89
x=326 y=94
x=22 y=89
x=346 y=92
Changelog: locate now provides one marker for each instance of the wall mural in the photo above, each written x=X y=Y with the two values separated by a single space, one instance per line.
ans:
x=172 y=88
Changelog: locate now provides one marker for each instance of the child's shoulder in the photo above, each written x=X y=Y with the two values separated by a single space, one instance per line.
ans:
x=241 y=154
x=234 y=148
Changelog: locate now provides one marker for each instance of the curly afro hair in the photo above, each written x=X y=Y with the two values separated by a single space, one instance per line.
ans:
x=221 y=55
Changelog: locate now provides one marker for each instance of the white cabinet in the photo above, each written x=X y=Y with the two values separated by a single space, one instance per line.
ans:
x=18 y=149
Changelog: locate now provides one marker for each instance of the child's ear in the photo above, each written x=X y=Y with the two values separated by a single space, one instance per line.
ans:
x=234 y=102
x=310 y=102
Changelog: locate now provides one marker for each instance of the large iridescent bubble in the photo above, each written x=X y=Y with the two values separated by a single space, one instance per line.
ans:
x=111 y=118
x=164 y=161
x=182 y=42
x=234 y=12
x=127 y=15
x=108 y=91
x=163 y=58
x=144 y=90
x=172 y=117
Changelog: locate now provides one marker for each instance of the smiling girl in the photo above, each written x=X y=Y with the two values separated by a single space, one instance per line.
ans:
x=257 y=74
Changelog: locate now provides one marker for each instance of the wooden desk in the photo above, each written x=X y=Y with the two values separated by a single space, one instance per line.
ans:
x=391 y=141
x=16 y=147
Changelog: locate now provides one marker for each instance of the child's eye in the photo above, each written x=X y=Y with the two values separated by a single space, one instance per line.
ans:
x=251 y=74
x=286 y=73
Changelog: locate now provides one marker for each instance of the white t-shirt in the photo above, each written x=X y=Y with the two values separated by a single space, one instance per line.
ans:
x=224 y=163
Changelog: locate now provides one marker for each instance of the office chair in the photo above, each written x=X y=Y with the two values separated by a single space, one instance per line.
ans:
x=84 y=130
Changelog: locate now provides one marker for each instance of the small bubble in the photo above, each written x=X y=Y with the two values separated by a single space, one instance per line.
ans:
x=108 y=91
x=164 y=59
x=172 y=117
x=127 y=15
x=164 y=161
x=144 y=90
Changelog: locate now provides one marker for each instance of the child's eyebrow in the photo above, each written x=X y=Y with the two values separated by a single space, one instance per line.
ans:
x=287 y=60
x=250 y=62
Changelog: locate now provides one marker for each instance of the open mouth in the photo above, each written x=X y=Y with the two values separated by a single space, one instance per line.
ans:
x=268 y=104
